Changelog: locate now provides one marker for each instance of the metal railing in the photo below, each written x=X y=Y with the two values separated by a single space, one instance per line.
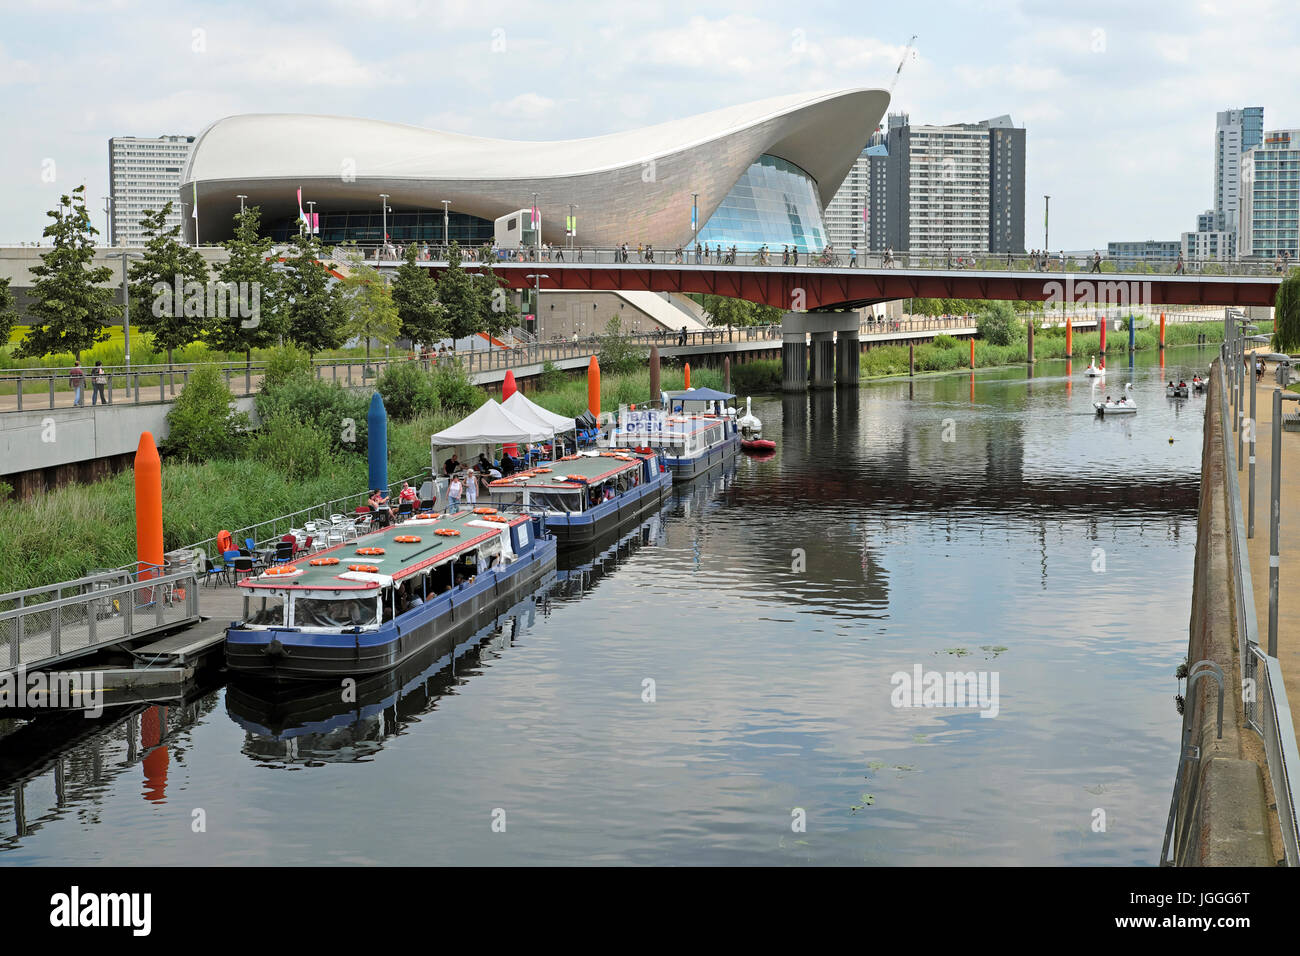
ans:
x=768 y=257
x=266 y=533
x=40 y=626
x=1269 y=713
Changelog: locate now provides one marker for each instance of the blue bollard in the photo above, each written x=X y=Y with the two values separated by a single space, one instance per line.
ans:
x=377 y=442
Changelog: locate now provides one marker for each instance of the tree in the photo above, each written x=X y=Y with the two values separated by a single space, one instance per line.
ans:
x=415 y=293
x=202 y=424
x=160 y=302
x=70 y=302
x=250 y=268
x=617 y=354
x=997 y=323
x=496 y=305
x=1286 y=331
x=314 y=308
x=460 y=298
x=728 y=312
x=8 y=311
x=368 y=306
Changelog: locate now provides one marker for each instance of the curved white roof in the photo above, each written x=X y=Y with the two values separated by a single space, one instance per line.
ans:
x=336 y=158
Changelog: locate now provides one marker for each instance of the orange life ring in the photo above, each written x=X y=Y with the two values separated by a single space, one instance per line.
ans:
x=364 y=568
x=499 y=519
x=426 y=516
x=370 y=551
x=447 y=533
x=570 y=458
x=407 y=539
x=485 y=511
x=541 y=471
x=323 y=562
x=282 y=569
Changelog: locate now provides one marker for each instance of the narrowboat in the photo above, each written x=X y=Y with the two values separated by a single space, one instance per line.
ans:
x=587 y=495
x=367 y=605
x=691 y=442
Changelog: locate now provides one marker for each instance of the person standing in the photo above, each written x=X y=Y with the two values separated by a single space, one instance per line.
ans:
x=454 y=490
x=471 y=489
x=853 y=257
x=77 y=379
x=98 y=379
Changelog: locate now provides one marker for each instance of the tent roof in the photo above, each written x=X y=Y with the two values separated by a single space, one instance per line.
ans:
x=702 y=395
x=491 y=424
x=520 y=406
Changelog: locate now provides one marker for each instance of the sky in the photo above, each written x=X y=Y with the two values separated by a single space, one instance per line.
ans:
x=1118 y=98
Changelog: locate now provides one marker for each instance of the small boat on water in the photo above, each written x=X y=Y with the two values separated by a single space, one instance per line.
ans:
x=1124 y=406
x=750 y=431
x=759 y=445
x=691 y=442
x=1176 y=391
x=1093 y=370
x=367 y=605
x=1198 y=383
x=583 y=496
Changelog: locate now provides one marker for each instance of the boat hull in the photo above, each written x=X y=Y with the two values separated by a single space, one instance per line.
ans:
x=281 y=654
x=684 y=469
x=610 y=517
x=1114 y=410
x=759 y=445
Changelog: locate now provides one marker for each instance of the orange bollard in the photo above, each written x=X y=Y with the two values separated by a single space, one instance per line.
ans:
x=593 y=386
x=155 y=762
x=687 y=369
x=1069 y=338
x=1101 y=324
x=1069 y=375
x=508 y=388
x=972 y=359
x=1162 y=332
x=148 y=508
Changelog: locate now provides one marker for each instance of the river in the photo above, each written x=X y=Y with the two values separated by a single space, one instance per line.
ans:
x=724 y=685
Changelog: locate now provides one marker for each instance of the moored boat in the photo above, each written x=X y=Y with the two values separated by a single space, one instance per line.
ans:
x=593 y=493
x=692 y=442
x=757 y=445
x=367 y=605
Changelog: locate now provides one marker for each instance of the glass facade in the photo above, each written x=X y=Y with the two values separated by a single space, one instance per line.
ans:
x=403 y=227
x=773 y=203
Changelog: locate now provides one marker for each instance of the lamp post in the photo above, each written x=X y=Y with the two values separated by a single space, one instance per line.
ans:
x=311 y=216
x=1250 y=519
x=537 y=300
x=1047 y=208
x=108 y=221
x=695 y=216
x=241 y=197
x=535 y=215
x=126 y=304
x=383 y=239
x=446 y=219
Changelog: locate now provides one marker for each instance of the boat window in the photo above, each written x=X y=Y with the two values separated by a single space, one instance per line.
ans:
x=523 y=536
x=264 y=611
x=339 y=612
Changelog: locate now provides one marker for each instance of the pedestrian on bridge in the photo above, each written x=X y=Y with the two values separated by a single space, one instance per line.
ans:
x=98 y=380
x=77 y=379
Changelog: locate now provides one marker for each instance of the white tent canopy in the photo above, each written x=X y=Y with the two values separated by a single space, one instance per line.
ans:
x=491 y=424
x=523 y=409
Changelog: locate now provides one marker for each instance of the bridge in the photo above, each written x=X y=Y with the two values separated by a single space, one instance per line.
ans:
x=816 y=286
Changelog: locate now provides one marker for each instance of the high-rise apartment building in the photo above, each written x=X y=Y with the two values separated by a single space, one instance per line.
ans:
x=855 y=217
x=1235 y=131
x=144 y=174
x=1269 y=222
x=956 y=189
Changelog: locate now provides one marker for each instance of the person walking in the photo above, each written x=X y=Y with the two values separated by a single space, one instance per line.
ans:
x=1180 y=268
x=98 y=380
x=853 y=257
x=77 y=379
x=471 y=489
x=1096 y=262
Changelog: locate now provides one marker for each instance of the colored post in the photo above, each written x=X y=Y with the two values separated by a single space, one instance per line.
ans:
x=377 y=443
x=1031 y=341
x=687 y=368
x=1069 y=374
x=508 y=388
x=972 y=355
x=654 y=373
x=1131 y=332
x=1162 y=331
x=726 y=373
x=148 y=508
x=1069 y=338
x=1101 y=324
x=911 y=358
x=152 y=722
x=593 y=386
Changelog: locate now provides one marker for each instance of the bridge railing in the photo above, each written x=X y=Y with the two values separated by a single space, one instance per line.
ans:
x=843 y=258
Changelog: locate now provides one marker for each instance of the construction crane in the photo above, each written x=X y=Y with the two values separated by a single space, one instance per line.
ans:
x=906 y=50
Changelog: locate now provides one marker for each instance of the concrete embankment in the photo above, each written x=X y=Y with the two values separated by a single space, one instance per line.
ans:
x=1224 y=813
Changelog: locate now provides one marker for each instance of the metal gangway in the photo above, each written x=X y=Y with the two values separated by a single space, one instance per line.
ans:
x=43 y=626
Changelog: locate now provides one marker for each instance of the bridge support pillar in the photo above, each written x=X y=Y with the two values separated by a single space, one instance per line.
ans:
x=823 y=360
x=848 y=356
x=794 y=361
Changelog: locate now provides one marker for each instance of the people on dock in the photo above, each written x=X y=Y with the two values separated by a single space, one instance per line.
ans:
x=77 y=379
x=454 y=490
x=451 y=465
x=98 y=379
x=471 y=488
x=407 y=495
x=381 y=513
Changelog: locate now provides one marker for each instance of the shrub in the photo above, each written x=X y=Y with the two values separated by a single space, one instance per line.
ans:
x=408 y=390
x=552 y=376
x=330 y=409
x=618 y=355
x=997 y=323
x=763 y=375
x=945 y=342
x=453 y=389
x=202 y=424
x=286 y=363
x=292 y=447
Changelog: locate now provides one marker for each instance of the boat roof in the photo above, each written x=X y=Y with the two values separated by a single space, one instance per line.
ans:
x=400 y=559
x=701 y=395
x=594 y=468
x=669 y=426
